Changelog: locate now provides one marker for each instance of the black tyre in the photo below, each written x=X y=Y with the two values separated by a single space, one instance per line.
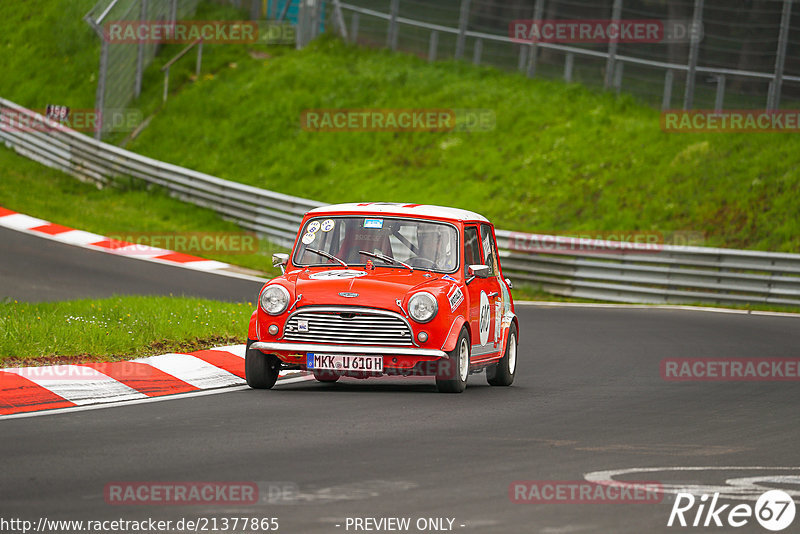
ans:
x=502 y=374
x=453 y=372
x=326 y=376
x=260 y=370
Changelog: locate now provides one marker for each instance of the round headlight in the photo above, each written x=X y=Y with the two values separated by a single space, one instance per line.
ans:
x=422 y=307
x=274 y=299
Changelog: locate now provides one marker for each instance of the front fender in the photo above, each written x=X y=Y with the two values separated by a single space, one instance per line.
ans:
x=452 y=336
x=252 y=331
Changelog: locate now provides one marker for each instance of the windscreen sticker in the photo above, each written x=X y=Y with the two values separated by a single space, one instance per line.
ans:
x=327 y=225
x=308 y=238
x=373 y=223
x=456 y=297
x=313 y=227
x=487 y=249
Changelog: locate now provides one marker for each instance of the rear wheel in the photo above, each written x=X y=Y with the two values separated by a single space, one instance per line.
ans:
x=326 y=376
x=453 y=372
x=503 y=373
x=261 y=370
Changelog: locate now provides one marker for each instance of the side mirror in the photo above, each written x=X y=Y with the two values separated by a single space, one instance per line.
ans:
x=477 y=271
x=280 y=260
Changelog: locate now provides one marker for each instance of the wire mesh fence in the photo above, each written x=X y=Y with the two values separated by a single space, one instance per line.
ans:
x=710 y=54
x=121 y=63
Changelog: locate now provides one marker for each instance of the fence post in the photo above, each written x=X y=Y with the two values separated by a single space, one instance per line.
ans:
x=666 y=101
x=523 y=57
x=568 y=64
x=433 y=45
x=391 y=37
x=720 y=98
x=774 y=100
x=100 y=98
x=533 y=53
x=477 y=51
x=173 y=12
x=616 y=12
x=618 y=76
x=339 y=18
x=354 y=26
x=140 y=51
x=199 y=60
x=463 y=20
x=694 y=52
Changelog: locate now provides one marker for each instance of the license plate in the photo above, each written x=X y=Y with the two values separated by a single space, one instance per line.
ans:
x=340 y=362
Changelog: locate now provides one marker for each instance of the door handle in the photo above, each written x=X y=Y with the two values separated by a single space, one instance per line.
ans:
x=493 y=294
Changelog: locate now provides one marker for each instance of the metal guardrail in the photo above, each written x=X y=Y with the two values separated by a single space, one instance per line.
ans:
x=271 y=214
x=611 y=271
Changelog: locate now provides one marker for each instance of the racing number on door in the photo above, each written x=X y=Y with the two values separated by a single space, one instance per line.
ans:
x=485 y=318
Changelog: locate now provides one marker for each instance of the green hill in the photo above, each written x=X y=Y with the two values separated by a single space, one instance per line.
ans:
x=561 y=157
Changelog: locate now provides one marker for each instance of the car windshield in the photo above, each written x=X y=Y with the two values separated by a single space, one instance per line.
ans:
x=420 y=244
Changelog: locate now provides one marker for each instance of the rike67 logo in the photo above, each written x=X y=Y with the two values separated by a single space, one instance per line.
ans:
x=774 y=510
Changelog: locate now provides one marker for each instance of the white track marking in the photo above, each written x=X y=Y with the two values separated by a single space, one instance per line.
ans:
x=178 y=396
x=229 y=389
x=740 y=489
x=90 y=387
x=553 y=304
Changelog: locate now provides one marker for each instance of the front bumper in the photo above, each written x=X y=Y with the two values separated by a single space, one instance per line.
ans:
x=300 y=348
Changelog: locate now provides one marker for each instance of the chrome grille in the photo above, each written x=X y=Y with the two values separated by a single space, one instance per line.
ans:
x=349 y=327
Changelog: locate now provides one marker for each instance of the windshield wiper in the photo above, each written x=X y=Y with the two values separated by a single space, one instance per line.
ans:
x=384 y=257
x=327 y=255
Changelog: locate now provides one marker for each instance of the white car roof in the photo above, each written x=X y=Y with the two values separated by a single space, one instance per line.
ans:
x=396 y=208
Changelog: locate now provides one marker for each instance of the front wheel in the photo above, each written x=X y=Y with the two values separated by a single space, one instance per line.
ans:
x=452 y=374
x=260 y=370
x=502 y=374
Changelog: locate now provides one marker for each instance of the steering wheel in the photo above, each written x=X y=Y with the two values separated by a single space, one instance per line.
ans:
x=422 y=262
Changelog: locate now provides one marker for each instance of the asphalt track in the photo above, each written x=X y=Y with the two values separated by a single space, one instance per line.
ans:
x=588 y=397
x=35 y=269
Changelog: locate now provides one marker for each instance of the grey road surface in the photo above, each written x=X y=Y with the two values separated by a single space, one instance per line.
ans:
x=588 y=397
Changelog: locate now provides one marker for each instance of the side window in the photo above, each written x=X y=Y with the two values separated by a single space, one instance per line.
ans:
x=489 y=250
x=472 y=252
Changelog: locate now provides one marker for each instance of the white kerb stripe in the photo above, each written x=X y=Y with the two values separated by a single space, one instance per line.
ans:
x=78 y=384
x=78 y=237
x=19 y=221
x=138 y=251
x=204 y=265
x=236 y=350
x=192 y=370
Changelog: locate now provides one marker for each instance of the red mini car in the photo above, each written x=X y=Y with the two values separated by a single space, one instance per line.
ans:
x=379 y=288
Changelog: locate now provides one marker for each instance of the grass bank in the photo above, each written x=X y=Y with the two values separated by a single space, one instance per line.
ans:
x=116 y=328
